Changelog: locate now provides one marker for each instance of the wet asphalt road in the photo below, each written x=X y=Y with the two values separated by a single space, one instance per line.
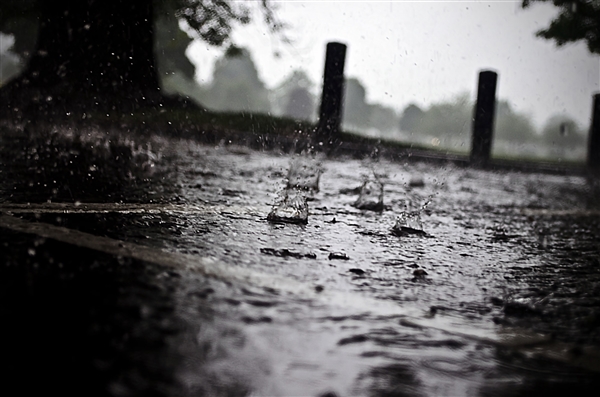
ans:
x=500 y=297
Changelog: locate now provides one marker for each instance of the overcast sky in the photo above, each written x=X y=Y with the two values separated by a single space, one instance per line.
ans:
x=427 y=51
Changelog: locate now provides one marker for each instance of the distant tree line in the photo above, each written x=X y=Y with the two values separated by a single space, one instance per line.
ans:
x=448 y=125
x=237 y=87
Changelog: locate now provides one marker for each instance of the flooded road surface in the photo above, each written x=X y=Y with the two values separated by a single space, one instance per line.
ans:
x=498 y=295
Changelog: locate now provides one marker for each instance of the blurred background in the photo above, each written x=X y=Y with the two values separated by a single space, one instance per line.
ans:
x=411 y=71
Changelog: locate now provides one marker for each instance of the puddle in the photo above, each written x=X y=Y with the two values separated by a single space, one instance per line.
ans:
x=341 y=305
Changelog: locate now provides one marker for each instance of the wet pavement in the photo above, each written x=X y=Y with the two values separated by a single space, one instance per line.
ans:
x=171 y=281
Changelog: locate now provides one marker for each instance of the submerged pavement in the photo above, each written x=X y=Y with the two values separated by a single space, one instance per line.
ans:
x=169 y=280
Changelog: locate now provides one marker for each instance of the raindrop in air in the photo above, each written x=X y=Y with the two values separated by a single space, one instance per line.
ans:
x=304 y=174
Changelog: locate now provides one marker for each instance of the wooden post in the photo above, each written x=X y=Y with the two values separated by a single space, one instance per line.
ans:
x=330 y=114
x=593 y=159
x=483 y=118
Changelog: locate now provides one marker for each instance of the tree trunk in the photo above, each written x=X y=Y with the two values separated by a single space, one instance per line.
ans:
x=91 y=55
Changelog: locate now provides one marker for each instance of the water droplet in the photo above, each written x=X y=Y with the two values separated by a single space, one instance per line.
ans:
x=292 y=208
x=304 y=174
x=371 y=196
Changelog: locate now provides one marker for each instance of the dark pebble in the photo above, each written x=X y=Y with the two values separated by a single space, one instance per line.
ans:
x=258 y=303
x=328 y=394
x=233 y=302
x=357 y=271
x=286 y=253
x=338 y=255
x=410 y=324
x=352 y=339
x=251 y=320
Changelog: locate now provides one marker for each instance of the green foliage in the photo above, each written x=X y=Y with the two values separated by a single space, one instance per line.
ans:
x=577 y=20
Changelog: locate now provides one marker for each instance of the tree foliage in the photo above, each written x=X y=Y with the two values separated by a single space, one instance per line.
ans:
x=355 y=108
x=382 y=118
x=447 y=120
x=563 y=132
x=9 y=61
x=236 y=85
x=294 y=97
x=411 y=118
x=450 y=122
x=512 y=126
x=99 y=54
x=577 y=20
x=300 y=104
x=214 y=20
x=170 y=45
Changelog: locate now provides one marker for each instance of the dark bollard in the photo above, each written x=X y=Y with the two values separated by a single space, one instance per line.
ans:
x=593 y=159
x=330 y=115
x=483 y=118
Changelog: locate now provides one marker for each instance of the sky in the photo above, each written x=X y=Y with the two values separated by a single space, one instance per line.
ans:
x=426 y=51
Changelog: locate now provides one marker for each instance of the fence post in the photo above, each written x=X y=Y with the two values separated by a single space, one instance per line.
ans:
x=330 y=114
x=483 y=118
x=593 y=159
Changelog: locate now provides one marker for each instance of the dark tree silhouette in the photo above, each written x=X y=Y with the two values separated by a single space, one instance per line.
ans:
x=300 y=104
x=411 y=118
x=171 y=43
x=9 y=61
x=355 y=109
x=563 y=132
x=512 y=126
x=98 y=55
x=577 y=20
x=293 y=98
x=236 y=85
